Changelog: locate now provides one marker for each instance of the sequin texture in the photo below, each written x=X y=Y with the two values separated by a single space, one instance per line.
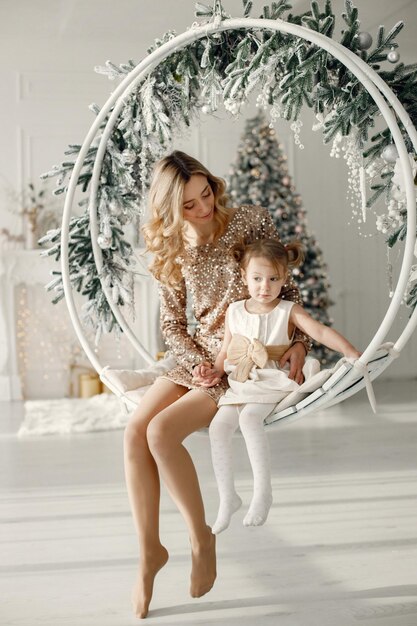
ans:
x=212 y=280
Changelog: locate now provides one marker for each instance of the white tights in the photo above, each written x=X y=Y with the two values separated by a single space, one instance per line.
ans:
x=250 y=418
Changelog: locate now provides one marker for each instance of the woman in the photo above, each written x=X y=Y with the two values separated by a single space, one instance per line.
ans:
x=190 y=234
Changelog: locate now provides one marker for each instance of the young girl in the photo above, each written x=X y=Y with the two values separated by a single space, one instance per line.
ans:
x=258 y=332
x=190 y=233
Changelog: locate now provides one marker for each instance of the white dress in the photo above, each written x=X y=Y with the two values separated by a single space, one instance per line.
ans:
x=271 y=383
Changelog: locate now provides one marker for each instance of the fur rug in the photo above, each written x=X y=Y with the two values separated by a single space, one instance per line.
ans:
x=73 y=415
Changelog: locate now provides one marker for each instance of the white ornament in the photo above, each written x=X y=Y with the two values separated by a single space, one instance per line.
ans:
x=390 y=153
x=296 y=129
x=362 y=184
x=275 y=111
x=205 y=109
x=398 y=178
x=261 y=101
x=104 y=242
x=232 y=106
x=320 y=122
x=393 y=56
x=114 y=208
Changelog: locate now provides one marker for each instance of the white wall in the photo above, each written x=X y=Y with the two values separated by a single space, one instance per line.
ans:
x=48 y=49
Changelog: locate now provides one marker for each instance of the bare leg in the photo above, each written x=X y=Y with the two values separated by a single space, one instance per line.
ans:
x=165 y=436
x=142 y=480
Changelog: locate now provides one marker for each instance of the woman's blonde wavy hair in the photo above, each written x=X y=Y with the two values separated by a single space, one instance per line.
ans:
x=164 y=231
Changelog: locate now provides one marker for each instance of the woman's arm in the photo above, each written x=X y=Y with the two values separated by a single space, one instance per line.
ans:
x=174 y=326
x=208 y=376
x=221 y=357
x=321 y=333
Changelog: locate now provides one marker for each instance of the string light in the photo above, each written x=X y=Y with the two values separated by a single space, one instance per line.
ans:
x=46 y=345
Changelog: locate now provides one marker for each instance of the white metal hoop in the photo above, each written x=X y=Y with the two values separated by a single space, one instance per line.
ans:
x=375 y=86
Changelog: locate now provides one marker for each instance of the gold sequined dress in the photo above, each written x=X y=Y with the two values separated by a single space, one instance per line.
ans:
x=211 y=277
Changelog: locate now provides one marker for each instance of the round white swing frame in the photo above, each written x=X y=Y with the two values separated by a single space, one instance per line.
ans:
x=348 y=379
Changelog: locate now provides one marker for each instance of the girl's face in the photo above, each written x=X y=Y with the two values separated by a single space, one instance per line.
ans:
x=263 y=280
x=198 y=200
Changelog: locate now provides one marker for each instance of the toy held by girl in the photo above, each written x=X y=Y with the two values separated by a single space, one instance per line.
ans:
x=258 y=332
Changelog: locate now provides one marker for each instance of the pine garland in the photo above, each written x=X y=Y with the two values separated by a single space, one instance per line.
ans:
x=228 y=66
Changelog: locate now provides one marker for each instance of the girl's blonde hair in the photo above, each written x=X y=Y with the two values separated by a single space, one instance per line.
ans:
x=281 y=256
x=164 y=232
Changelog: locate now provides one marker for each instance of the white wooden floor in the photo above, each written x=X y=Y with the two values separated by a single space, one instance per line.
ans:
x=339 y=547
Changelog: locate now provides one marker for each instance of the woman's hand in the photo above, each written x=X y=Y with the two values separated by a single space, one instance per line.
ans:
x=205 y=375
x=295 y=356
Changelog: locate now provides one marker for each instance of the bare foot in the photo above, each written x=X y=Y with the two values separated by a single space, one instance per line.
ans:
x=203 y=572
x=142 y=592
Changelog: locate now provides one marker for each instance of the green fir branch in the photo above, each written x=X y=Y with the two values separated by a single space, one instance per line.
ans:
x=226 y=65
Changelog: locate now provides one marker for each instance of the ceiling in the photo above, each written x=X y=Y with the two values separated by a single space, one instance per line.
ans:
x=79 y=34
x=134 y=19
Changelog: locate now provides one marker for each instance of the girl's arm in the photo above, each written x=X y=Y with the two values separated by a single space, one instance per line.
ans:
x=321 y=333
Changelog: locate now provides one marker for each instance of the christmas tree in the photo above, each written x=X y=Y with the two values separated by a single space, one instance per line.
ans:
x=260 y=176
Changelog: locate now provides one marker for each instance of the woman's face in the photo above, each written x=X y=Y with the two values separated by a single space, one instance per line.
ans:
x=198 y=200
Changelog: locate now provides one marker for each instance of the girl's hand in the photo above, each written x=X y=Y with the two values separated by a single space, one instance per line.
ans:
x=205 y=375
x=202 y=370
x=295 y=356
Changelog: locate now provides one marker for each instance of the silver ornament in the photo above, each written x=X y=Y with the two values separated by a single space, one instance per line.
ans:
x=104 y=242
x=364 y=40
x=205 y=109
x=393 y=56
x=390 y=153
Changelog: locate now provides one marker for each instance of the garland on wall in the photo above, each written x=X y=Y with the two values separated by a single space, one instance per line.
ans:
x=287 y=73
